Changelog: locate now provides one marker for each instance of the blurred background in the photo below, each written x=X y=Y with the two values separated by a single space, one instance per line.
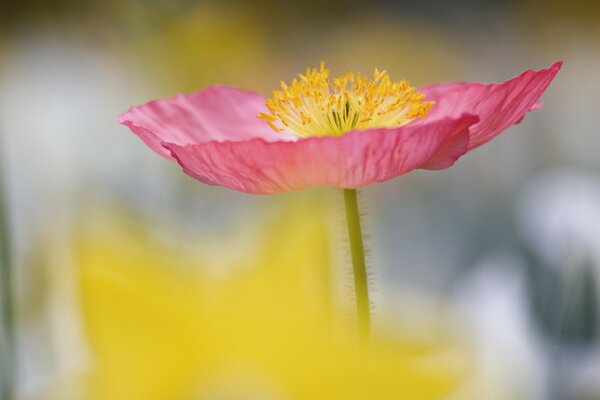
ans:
x=122 y=278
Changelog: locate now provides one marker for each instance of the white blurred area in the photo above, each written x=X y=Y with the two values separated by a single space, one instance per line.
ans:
x=58 y=102
x=460 y=240
x=559 y=217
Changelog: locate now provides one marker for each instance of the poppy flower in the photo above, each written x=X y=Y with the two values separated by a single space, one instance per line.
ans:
x=348 y=132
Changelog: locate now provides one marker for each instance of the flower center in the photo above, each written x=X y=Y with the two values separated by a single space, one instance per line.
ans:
x=312 y=106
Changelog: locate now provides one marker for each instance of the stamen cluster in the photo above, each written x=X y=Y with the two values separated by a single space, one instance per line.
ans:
x=313 y=106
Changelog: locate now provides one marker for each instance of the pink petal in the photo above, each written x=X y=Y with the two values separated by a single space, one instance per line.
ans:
x=498 y=105
x=451 y=150
x=356 y=159
x=216 y=113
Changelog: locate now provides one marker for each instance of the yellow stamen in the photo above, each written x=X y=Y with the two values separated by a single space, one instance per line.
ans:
x=311 y=106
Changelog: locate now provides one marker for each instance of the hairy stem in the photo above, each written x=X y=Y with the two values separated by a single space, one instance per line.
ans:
x=361 y=284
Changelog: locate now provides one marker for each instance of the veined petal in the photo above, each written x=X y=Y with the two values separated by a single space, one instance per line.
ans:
x=217 y=113
x=356 y=159
x=498 y=105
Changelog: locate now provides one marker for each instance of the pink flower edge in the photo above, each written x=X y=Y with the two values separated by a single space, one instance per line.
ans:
x=498 y=105
x=218 y=113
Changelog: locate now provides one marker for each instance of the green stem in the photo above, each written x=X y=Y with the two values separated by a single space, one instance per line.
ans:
x=7 y=334
x=361 y=284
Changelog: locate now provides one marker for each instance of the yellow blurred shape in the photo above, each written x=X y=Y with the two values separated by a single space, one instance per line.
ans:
x=161 y=327
x=207 y=44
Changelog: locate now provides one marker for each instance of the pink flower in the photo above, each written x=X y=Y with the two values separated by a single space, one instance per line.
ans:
x=331 y=134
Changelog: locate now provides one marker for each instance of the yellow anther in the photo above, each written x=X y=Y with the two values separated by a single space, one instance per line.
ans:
x=311 y=106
